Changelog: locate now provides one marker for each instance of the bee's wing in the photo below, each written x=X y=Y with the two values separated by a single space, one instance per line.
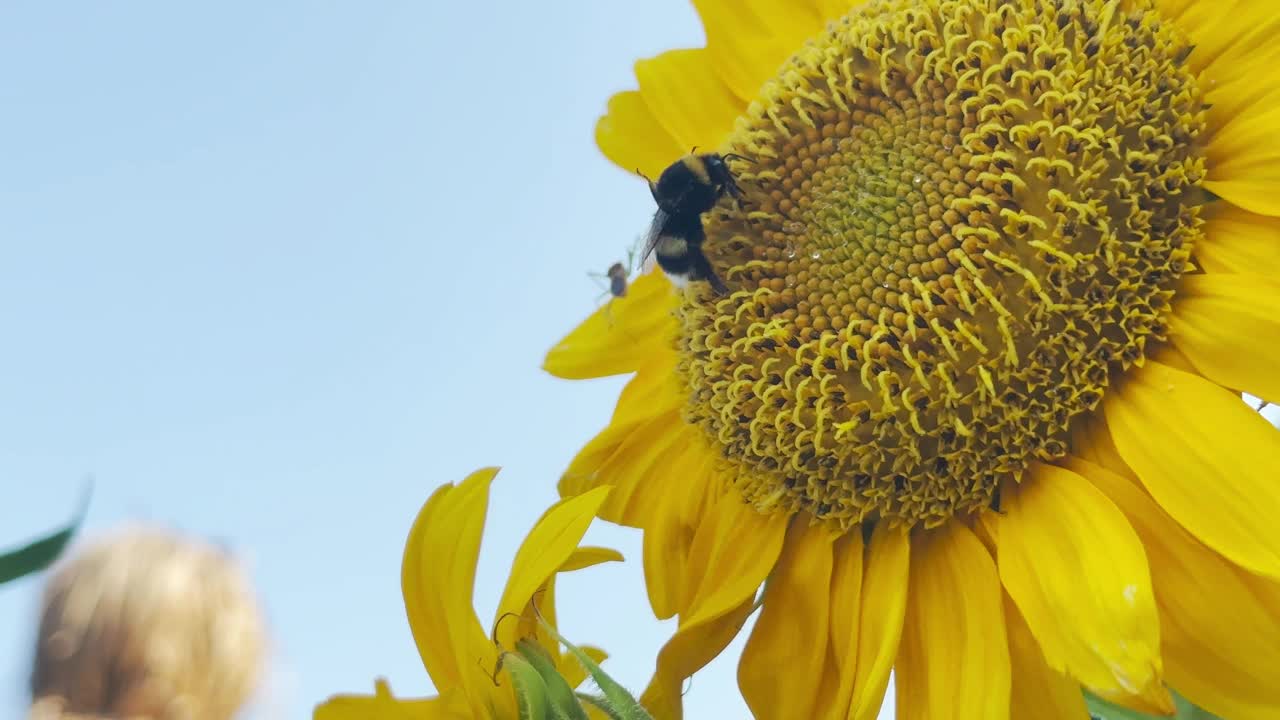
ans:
x=651 y=237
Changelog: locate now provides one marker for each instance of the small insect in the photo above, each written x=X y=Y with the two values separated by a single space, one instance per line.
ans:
x=616 y=277
x=502 y=654
x=614 y=281
x=688 y=188
x=497 y=669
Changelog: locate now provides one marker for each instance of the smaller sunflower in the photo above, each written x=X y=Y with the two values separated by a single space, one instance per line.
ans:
x=438 y=578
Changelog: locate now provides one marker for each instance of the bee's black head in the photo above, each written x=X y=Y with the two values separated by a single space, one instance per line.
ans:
x=693 y=184
x=719 y=173
x=717 y=169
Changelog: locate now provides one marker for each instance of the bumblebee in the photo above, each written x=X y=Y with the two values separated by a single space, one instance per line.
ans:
x=688 y=188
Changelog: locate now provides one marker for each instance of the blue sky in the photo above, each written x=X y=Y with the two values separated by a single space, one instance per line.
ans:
x=271 y=272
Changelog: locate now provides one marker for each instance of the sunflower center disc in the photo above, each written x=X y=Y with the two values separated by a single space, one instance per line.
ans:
x=962 y=217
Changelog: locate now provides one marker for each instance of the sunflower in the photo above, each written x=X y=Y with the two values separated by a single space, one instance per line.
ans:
x=970 y=407
x=438 y=577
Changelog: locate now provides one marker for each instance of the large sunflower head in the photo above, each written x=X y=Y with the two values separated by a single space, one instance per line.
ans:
x=999 y=274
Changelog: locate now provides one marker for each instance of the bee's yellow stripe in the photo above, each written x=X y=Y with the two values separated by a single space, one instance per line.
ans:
x=697 y=167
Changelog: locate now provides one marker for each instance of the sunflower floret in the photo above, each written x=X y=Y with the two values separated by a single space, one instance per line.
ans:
x=963 y=218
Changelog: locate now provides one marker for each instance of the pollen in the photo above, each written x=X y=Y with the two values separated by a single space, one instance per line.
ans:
x=962 y=219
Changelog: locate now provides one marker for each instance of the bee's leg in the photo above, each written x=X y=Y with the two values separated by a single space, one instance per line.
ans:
x=995 y=501
x=735 y=192
x=716 y=283
x=600 y=279
x=653 y=188
x=701 y=270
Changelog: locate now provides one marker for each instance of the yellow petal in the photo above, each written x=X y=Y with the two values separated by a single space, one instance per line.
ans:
x=1206 y=457
x=1038 y=692
x=792 y=23
x=749 y=40
x=1230 y=38
x=527 y=626
x=884 y=605
x=654 y=450
x=846 y=605
x=733 y=551
x=666 y=555
x=541 y=607
x=1241 y=80
x=954 y=660
x=1249 y=30
x=438 y=579
x=1220 y=625
x=832 y=10
x=1217 y=323
x=549 y=546
x=1244 y=162
x=621 y=336
x=1238 y=241
x=1236 y=96
x=633 y=139
x=589 y=555
x=382 y=706
x=1189 y=13
x=1223 y=34
x=669 y=532
x=1091 y=440
x=1254 y=190
x=1079 y=576
x=646 y=399
x=829 y=703
x=688 y=98
x=782 y=664
x=1170 y=356
x=688 y=651
x=1234 y=55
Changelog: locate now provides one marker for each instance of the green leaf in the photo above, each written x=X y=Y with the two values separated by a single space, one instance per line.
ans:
x=1104 y=710
x=623 y=703
x=1187 y=711
x=531 y=691
x=41 y=553
x=600 y=704
x=563 y=704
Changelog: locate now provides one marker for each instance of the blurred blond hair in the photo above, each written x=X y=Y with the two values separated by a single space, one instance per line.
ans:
x=147 y=624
